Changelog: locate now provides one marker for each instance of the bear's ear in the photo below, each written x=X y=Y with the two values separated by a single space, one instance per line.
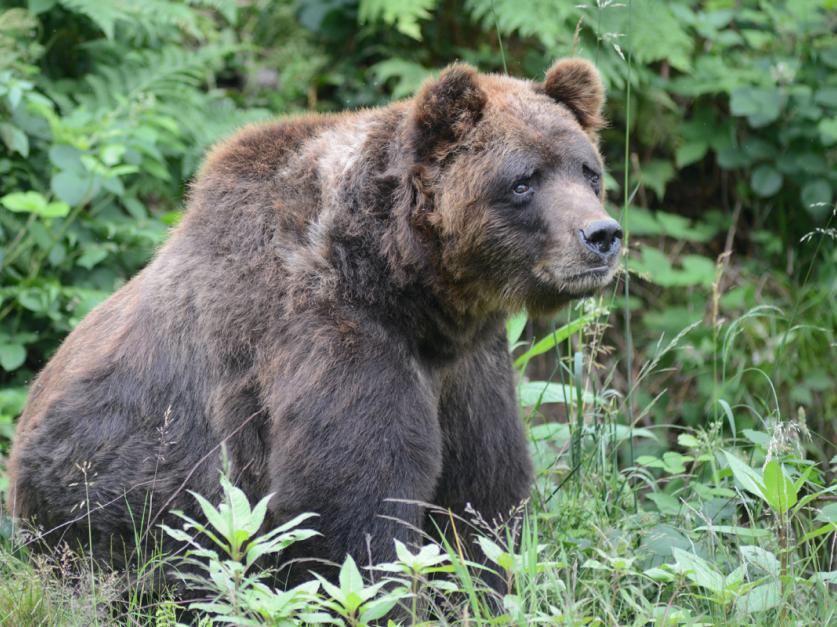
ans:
x=577 y=84
x=445 y=110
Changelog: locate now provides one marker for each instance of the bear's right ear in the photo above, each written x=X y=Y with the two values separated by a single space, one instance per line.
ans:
x=577 y=84
x=445 y=109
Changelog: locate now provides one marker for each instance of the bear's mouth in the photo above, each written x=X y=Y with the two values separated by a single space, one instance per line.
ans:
x=577 y=284
x=597 y=272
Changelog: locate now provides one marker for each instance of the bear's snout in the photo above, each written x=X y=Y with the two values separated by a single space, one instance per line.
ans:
x=602 y=237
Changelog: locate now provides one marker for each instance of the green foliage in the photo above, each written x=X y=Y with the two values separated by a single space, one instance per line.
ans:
x=682 y=430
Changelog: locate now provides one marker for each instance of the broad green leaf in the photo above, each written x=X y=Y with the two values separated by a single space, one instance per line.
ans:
x=749 y=478
x=531 y=393
x=761 y=558
x=828 y=130
x=825 y=577
x=656 y=174
x=71 y=187
x=490 y=548
x=15 y=139
x=92 y=255
x=665 y=503
x=212 y=515
x=33 y=202
x=687 y=440
x=759 y=599
x=766 y=180
x=697 y=270
x=675 y=463
x=816 y=197
x=374 y=610
x=698 y=570
x=759 y=438
x=659 y=575
x=350 y=578
x=12 y=356
x=778 y=489
x=66 y=157
x=828 y=513
x=24 y=202
x=760 y=105
x=689 y=153
x=826 y=96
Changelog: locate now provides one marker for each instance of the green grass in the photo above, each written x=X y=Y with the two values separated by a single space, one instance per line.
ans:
x=705 y=525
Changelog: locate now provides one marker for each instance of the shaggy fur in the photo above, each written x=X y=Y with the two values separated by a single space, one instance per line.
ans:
x=331 y=309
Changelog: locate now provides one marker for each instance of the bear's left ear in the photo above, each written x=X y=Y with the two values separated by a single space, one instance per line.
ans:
x=577 y=84
x=445 y=109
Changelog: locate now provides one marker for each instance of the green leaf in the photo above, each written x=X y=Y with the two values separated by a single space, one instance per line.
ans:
x=778 y=489
x=826 y=96
x=655 y=174
x=759 y=557
x=374 y=610
x=828 y=513
x=697 y=270
x=70 y=187
x=742 y=532
x=12 y=356
x=15 y=139
x=760 y=105
x=749 y=478
x=665 y=503
x=403 y=14
x=66 y=157
x=56 y=209
x=515 y=327
x=816 y=197
x=350 y=578
x=759 y=438
x=33 y=202
x=675 y=462
x=92 y=255
x=761 y=598
x=37 y=7
x=828 y=130
x=687 y=440
x=765 y=180
x=556 y=337
x=531 y=393
x=689 y=153
x=24 y=202
x=698 y=570
x=408 y=75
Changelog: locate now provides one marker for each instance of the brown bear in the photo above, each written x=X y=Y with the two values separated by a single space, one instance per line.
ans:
x=331 y=310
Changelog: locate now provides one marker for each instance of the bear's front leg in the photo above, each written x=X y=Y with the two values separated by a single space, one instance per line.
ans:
x=486 y=462
x=354 y=425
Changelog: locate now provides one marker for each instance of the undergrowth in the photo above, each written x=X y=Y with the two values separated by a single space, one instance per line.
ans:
x=682 y=426
x=627 y=524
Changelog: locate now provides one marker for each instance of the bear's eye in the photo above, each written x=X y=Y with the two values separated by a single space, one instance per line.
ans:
x=522 y=189
x=594 y=179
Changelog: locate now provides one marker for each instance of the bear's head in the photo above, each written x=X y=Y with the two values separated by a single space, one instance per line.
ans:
x=507 y=182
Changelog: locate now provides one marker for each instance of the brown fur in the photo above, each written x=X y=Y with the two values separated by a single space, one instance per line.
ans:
x=576 y=83
x=331 y=309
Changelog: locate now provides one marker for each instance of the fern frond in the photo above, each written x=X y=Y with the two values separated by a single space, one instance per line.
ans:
x=403 y=14
x=164 y=74
x=144 y=14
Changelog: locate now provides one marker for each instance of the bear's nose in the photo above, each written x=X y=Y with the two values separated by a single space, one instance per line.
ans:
x=603 y=237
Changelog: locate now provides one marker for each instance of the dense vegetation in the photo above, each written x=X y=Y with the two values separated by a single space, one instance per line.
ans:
x=683 y=424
